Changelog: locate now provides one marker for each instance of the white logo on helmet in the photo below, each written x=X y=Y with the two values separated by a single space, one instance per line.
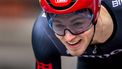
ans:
x=61 y=1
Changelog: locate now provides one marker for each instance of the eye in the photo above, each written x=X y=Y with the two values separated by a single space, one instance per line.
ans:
x=59 y=26
x=77 y=24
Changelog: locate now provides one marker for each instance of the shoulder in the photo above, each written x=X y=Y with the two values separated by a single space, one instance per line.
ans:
x=41 y=31
x=40 y=27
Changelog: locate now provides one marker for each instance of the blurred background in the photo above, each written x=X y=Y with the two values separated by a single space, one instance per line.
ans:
x=16 y=21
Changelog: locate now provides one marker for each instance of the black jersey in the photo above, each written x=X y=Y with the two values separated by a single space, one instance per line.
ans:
x=113 y=45
x=108 y=54
x=48 y=49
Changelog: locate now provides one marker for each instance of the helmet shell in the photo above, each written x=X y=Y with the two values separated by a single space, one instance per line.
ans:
x=68 y=6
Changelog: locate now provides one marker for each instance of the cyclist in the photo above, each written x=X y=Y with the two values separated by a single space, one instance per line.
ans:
x=88 y=29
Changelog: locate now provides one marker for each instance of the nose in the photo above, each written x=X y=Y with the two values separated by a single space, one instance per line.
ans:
x=69 y=36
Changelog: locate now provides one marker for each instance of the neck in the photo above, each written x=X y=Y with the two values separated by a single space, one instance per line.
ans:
x=104 y=27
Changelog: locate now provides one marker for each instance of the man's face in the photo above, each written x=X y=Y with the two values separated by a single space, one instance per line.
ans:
x=75 y=44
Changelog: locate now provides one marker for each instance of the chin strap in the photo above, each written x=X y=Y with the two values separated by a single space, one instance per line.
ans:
x=95 y=47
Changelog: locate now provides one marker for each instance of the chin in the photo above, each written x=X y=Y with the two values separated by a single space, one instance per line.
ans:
x=76 y=53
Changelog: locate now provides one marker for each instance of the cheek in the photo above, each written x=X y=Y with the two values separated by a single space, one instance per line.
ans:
x=88 y=35
x=59 y=37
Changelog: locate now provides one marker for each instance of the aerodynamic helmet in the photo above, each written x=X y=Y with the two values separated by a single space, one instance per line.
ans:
x=68 y=6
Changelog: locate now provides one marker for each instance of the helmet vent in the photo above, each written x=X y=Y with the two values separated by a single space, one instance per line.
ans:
x=61 y=4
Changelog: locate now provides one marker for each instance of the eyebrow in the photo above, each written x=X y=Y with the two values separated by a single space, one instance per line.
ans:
x=57 y=21
x=77 y=18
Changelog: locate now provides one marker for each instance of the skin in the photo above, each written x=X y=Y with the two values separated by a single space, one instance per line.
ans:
x=77 y=44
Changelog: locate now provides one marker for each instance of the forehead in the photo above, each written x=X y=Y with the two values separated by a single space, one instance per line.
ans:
x=81 y=14
x=66 y=16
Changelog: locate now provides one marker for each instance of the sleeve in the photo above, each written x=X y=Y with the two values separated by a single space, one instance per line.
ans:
x=46 y=54
x=54 y=63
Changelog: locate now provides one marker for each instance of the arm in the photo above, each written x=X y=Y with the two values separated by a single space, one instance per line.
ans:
x=47 y=55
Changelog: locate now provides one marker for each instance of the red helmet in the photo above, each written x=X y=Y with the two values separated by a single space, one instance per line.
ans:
x=68 y=6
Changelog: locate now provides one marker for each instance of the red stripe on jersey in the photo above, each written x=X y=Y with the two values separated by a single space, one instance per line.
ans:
x=41 y=65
